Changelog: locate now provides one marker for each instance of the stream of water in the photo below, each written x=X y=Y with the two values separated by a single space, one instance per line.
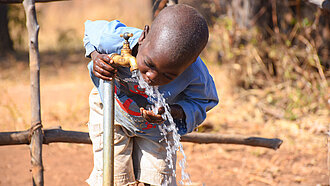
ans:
x=173 y=145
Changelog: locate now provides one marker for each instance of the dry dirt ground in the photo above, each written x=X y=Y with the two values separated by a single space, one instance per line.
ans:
x=301 y=160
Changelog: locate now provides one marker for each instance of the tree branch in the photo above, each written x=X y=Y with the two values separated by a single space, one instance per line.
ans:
x=58 y=135
x=273 y=143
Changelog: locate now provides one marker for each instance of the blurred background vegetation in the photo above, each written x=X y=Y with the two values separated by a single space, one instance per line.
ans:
x=279 y=47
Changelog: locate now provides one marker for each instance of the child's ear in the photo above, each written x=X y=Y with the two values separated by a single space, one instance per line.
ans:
x=144 y=34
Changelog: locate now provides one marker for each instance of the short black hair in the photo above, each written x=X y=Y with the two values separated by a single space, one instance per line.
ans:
x=180 y=31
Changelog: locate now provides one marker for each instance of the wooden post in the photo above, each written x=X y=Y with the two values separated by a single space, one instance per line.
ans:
x=34 y=59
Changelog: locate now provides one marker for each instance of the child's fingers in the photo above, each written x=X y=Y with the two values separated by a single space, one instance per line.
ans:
x=101 y=76
x=108 y=66
x=105 y=58
x=150 y=116
x=105 y=65
x=153 y=116
x=102 y=69
x=104 y=72
x=113 y=64
x=161 y=110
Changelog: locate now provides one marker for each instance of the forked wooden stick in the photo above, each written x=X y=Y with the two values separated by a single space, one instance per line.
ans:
x=34 y=61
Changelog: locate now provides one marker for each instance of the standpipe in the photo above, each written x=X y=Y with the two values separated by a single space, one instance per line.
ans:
x=127 y=60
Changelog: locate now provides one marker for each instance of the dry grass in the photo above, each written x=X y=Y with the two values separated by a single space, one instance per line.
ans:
x=288 y=80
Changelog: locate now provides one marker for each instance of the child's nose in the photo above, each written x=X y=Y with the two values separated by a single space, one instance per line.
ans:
x=151 y=75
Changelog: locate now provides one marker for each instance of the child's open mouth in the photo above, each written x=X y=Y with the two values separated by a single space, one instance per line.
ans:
x=148 y=81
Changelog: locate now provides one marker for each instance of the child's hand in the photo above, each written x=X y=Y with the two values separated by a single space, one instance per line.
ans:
x=176 y=112
x=151 y=117
x=103 y=66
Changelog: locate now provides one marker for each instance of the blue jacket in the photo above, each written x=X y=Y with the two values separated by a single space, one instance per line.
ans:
x=193 y=90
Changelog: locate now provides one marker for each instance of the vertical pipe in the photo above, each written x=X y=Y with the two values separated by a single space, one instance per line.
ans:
x=34 y=58
x=108 y=133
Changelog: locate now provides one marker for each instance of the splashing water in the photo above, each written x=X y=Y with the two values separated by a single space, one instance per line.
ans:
x=174 y=145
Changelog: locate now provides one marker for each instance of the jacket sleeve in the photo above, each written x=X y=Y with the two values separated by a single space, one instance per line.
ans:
x=104 y=36
x=93 y=31
x=198 y=97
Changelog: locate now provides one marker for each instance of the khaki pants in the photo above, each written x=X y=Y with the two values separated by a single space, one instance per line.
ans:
x=136 y=159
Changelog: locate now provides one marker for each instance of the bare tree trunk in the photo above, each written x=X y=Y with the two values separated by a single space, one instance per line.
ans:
x=6 y=44
x=35 y=131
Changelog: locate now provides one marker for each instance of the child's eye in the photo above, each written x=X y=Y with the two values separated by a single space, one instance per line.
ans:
x=148 y=64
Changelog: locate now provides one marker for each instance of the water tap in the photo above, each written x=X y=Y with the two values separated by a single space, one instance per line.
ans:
x=125 y=58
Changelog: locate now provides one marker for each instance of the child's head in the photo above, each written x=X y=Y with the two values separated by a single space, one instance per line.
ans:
x=176 y=38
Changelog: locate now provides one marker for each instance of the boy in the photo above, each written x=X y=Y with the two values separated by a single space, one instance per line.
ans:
x=167 y=56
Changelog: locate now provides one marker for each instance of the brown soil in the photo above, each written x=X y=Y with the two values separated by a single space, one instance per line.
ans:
x=71 y=164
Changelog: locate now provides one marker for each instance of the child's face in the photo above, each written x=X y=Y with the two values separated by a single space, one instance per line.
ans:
x=155 y=68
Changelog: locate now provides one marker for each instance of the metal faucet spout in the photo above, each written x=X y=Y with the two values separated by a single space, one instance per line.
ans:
x=125 y=58
x=133 y=64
